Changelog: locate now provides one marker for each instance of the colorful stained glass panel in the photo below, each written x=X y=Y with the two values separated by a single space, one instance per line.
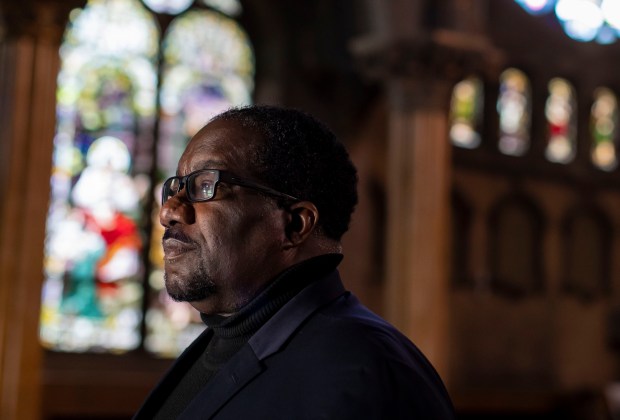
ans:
x=560 y=111
x=603 y=128
x=92 y=295
x=513 y=106
x=466 y=113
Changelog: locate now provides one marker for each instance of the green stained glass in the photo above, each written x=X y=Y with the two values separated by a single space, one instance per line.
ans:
x=603 y=127
x=208 y=67
x=466 y=113
x=92 y=295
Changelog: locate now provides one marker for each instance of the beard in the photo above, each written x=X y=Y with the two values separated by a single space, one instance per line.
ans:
x=195 y=287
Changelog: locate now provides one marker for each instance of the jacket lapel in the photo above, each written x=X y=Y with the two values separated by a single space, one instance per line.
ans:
x=170 y=380
x=272 y=336
x=232 y=377
x=246 y=364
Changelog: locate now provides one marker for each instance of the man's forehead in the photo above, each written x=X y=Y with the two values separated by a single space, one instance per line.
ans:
x=192 y=165
x=219 y=145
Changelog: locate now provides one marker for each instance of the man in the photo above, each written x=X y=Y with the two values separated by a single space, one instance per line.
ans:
x=253 y=221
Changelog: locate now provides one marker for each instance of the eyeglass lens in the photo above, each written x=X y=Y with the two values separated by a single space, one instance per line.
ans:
x=170 y=188
x=200 y=186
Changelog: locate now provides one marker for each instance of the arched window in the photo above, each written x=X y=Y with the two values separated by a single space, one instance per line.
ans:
x=514 y=108
x=587 y=234
x=561 y=113
x=466 y=113
x=603 y=128
x=516 y=246
x=129 y=97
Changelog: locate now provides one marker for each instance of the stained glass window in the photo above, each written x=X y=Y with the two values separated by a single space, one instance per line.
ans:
x=513 y=106
x=560 y=111
x=208 y=66
x=98 y=254
x=582 y=20
x=92 y=296
x=603 y=128
x=466 y=113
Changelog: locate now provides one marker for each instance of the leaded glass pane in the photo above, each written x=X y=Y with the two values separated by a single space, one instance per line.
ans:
x=603 y=127
x=513 y=106
x=560 y=111
x=466 y=113
x=92 y=295
x=208 y=67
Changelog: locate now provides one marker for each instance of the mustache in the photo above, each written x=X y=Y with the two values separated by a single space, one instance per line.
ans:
x=175 y=233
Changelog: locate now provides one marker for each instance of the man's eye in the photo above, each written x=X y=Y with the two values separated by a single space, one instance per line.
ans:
x=206 y=188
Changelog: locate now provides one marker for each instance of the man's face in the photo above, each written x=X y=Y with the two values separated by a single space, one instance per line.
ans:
x=220 y=253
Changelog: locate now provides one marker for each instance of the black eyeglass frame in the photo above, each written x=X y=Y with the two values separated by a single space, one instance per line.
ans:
x=223 y=176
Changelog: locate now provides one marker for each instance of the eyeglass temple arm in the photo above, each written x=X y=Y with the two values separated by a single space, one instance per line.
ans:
x=271 y=191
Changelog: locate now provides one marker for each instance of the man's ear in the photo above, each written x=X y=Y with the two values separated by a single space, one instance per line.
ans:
x=303 y=217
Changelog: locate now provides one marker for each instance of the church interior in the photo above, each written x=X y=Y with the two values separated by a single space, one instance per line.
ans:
x=485 y=133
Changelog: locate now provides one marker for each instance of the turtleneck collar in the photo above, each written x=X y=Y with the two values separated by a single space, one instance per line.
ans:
x=280 y=290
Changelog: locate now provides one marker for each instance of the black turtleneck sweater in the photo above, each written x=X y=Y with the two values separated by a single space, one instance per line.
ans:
x=232 y=332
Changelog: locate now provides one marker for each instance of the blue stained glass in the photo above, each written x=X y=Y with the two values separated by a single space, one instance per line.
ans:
x=536 y=7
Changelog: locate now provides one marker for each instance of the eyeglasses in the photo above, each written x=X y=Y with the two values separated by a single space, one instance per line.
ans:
x=201 y=186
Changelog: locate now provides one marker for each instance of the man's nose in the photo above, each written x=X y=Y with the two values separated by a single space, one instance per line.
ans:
x=177 y=210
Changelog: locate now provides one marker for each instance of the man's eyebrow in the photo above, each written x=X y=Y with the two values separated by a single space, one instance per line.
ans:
x=204 y=164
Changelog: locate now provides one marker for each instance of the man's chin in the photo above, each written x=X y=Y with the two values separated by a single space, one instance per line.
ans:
x=183 y=290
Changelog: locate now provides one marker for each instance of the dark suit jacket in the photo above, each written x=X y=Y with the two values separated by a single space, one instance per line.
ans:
x=321 y=356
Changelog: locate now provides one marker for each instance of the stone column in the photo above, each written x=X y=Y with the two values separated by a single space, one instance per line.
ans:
x=426 y=48
x=418 y=214
x=29 y=62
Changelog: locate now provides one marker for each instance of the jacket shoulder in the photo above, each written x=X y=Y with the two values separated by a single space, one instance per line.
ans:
x=345 y=352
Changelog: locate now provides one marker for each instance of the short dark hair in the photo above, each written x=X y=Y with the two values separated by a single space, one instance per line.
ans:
x=300 y=156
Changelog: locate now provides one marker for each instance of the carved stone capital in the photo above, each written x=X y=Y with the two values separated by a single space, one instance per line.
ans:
x=445 y=55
